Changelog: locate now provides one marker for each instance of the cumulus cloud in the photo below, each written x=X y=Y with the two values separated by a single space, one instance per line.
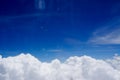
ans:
x=27 y=67
x=115 y=62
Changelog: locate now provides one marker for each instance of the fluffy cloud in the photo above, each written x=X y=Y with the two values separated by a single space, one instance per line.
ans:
x=27 y=67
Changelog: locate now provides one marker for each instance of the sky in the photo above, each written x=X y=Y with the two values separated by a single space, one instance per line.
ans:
x=51 y=29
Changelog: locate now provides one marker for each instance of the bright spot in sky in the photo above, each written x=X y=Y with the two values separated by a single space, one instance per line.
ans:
x=27 y=67
x=41 y=4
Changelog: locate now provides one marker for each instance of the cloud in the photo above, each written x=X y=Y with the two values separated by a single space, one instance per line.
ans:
x=107 y=35
x=27 y=67
x=55 y=50
x=110 y=38
x=115 y=62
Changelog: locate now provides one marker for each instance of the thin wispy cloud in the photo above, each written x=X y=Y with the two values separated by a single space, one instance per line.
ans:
x=55 y=50
x=110 y=38
x=109 y=34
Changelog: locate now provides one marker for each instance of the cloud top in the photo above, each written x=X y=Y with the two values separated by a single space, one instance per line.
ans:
x=27 y=67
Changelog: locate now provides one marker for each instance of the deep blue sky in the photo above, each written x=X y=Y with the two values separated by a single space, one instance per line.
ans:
x=60 y=28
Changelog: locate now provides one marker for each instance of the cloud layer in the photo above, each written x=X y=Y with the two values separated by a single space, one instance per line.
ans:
x=27 y=67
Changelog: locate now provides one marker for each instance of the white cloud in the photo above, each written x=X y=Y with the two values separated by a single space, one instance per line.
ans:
x=115 y=62
x=27 y=67
x=109 y=34
x=112 y=37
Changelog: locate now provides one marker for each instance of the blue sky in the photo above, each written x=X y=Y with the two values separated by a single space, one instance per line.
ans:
x=60 y=28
